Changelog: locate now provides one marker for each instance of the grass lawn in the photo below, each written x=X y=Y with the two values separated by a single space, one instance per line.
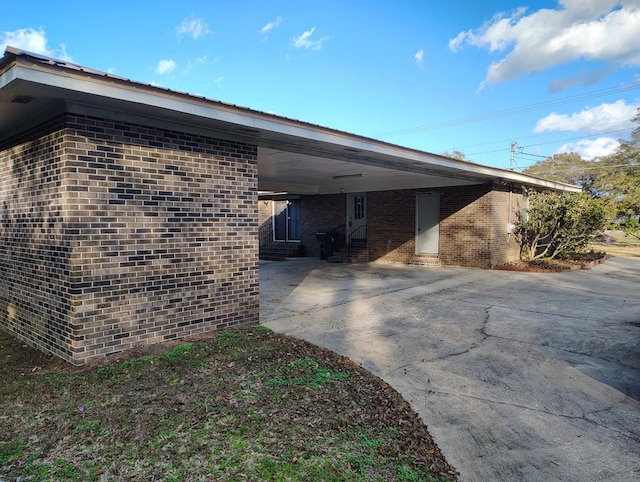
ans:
x=622 y=247
x=238 y=405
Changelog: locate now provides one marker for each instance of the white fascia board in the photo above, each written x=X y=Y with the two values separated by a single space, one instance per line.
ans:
x=135 y=95
x=7 y=77
x=169 y=101
x=517 y=178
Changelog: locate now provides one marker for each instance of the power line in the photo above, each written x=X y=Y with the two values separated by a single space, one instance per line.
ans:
x=512 y=111
x=503 y=141
x=566 y=139
x=533 y=155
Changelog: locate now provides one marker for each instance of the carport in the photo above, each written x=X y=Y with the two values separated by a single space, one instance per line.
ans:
x=139 y=205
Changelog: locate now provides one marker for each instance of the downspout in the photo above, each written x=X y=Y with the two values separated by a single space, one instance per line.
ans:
x=510 y=226
x=510 y=203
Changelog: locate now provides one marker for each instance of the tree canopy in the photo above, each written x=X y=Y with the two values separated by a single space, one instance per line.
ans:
x=566 y=167
x=614 y=178
x=456 y=154
x=619 y=176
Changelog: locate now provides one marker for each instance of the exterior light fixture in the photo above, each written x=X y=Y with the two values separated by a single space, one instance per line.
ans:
x=346 y=176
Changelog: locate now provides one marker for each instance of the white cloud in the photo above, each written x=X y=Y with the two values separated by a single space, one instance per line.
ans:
x=271 y=25
x=190 y=65
x=34 y=41
x=165 y=66
x=218 y=82
x=194 y=27
x=591 y=120
x=419 y=58
x=304 y=41
x=596 y=30
x=591 y=148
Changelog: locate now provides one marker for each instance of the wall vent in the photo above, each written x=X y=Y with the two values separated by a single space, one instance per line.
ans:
x=22 y=99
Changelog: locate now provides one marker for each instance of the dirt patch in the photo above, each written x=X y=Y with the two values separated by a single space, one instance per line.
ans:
x=238 y=405
x=584 y=261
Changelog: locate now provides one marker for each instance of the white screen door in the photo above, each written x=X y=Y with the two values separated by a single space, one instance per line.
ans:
x=356 y=215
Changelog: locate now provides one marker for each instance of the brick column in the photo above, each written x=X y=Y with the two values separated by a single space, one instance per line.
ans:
x=157 y=232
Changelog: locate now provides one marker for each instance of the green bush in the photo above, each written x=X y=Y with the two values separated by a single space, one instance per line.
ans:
x=556 y=225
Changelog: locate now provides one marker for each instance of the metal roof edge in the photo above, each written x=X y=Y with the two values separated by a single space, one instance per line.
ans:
x=123 y=89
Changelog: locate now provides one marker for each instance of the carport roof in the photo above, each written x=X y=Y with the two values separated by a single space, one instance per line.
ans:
x=294 y=157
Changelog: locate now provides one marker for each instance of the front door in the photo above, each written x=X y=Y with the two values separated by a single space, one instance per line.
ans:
x=356 y=216
x=427 y=223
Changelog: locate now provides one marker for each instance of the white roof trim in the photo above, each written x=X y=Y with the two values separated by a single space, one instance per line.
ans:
x=58 y=75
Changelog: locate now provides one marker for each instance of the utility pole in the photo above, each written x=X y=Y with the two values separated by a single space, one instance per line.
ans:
x=513 y=151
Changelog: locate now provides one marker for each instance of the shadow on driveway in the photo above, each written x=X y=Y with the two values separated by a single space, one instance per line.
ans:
x=519 y=376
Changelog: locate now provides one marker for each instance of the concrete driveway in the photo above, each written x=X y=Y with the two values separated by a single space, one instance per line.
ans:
x=518 y=376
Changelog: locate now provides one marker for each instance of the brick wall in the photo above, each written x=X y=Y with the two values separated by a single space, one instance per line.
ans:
x=265 y=212
x=504 y=246
x=35 y=252
x=265 y=222
x=320 y=212
x=465 y=226
x=116 y=234
x=473 y=224
x=391 y=219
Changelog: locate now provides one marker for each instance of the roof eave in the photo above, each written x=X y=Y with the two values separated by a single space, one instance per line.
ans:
x=17 y=64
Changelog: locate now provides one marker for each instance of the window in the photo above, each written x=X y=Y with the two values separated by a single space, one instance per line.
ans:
x=286 y=220
x=358 y=207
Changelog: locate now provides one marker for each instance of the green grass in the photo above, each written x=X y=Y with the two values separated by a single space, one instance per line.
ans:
x=623 y=247
x=242 y=405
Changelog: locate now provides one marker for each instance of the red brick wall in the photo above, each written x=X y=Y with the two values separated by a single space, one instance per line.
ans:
x=464 y=233
x=118 y=234
x=473 y=224
x=320 y=212
x=465 y=230
x=473 y=228
x=503 y=246
x=391 y=219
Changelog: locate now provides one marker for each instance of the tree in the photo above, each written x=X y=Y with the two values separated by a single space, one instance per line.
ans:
x=614 y=178
x=618 y=176
x=631 y=226
x=456 y=154
x=556 y=225
x=566 y=167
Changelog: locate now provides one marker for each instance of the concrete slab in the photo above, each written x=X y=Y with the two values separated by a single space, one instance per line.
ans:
x=519 y=376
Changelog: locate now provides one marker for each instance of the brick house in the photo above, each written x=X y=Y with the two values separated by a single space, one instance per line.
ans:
x=132 y=214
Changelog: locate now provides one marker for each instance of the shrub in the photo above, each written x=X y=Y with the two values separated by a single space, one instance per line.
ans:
x=556 y=225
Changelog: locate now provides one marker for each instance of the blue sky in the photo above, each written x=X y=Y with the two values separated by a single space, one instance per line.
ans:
x=436 y=76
